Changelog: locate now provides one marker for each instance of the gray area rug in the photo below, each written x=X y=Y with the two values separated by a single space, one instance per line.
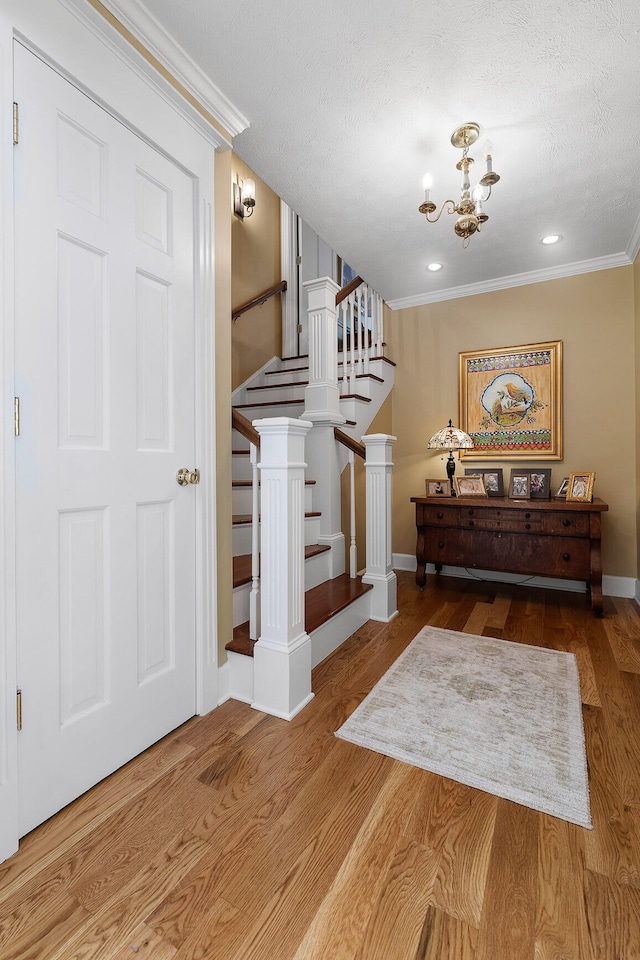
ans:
x=500 y=716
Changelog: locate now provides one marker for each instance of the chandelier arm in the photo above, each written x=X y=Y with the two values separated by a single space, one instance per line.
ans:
x=441 y=211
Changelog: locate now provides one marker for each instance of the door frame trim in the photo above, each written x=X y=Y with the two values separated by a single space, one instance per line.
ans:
x=79 y=50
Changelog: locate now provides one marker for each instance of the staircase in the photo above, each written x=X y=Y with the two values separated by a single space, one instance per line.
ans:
x=335 y=604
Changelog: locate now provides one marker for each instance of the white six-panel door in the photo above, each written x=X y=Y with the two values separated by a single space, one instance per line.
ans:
x=105 y=563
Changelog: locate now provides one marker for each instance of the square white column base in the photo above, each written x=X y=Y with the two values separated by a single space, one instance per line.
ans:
x=282 y=677
x=384 y=600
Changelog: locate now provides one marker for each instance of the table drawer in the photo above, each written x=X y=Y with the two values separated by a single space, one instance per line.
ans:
x=438 y=515
x=510 y=524
x=566 y=524
x=489 y=550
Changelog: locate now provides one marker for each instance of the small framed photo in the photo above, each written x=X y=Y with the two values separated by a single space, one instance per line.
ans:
x=470 y=486
x=581 y=487
x=561 y=492
x=540 y=484
x=493 y=482
x=519 y=485
x=438 y=488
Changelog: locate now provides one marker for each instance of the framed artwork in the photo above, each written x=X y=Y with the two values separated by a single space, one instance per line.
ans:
x=510 y=402
x=470 y=486
x=519 y=485
x=540 y=484
x=438 y=488
x=561 y=492
x=580 y=487
x=493 y=482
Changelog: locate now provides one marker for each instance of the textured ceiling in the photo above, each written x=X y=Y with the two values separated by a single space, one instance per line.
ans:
x=349 y=103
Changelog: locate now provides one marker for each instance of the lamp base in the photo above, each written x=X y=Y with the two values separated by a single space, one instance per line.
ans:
x=451 y=469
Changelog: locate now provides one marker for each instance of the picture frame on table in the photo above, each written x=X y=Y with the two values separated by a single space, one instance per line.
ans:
x=580 y=487
x=519 y=485
x=540 y=486
x=470 y=486
x=437 y=488
x=493 y=480
x=561 y=492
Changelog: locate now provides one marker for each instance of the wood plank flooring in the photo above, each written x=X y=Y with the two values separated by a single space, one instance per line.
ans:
x=243 y=837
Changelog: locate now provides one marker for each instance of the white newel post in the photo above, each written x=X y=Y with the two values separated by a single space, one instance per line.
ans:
x=379 y=467
x=282 y=655
x=322 y=396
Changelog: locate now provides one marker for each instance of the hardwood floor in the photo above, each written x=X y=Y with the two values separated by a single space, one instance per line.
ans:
x=243 y=837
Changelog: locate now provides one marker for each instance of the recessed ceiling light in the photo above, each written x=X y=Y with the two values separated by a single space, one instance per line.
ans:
x=434 y=267
x=552 y=238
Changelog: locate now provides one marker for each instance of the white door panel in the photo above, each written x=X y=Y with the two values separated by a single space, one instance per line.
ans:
x=105 y=373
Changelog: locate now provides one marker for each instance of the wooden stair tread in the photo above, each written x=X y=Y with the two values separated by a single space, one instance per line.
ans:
x=276 y=386
x=239 y=518
x=249 y=483
x=266 y=403
x=321 y=603
x=355 y=396
x=242 y=563
x=243 y=453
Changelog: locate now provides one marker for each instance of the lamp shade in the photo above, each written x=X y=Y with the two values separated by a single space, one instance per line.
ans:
x=450 y=438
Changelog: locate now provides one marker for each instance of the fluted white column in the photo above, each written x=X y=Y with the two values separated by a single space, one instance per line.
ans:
x=322 y=396
x=282 y=655
x=379 y=467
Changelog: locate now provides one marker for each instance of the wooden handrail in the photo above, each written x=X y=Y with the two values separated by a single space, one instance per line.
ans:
x=244 y=427
x=349 y=442
x=350 y=287
x=279 y=288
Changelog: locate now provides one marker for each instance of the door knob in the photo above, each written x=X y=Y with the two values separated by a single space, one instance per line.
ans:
x=184 y=476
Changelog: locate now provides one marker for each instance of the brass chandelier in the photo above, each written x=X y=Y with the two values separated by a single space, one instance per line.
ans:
x=469 y=208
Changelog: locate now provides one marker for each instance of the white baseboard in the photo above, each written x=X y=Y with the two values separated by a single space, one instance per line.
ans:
x=611 y=586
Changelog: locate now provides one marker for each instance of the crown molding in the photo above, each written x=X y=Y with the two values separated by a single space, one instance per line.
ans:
x=515 y=280
x=159 y=43
x=634 y=242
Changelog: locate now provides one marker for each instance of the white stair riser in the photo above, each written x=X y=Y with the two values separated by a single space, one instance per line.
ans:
x=242 y=499
x=241 y=535
x=331 y=634
x=286 y=376
x=257 y=412
x=269 y=394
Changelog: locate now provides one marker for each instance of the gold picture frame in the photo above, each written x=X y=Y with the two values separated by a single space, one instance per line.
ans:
x=510 y=402
x=437 y=488
x=470 y=486
x=580 y=488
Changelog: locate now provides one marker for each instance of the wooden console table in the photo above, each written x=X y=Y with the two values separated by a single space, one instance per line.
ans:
x=548 y=538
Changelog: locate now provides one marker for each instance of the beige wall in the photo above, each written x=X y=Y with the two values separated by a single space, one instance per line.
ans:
x=255 y=259
x=593 y=315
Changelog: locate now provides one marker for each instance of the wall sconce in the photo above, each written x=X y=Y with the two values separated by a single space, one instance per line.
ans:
x=244 y=198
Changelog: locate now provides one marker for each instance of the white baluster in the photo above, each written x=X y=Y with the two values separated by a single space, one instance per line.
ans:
x=254 y=597
x=352 y=342
x=365 y=332
x=344 y=308
x=353 y=552
x=380 y=326
x=359 y=323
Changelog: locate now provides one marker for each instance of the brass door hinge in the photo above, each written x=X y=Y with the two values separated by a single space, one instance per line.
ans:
x=15 y=123
x=16 y=416
x=19 y=709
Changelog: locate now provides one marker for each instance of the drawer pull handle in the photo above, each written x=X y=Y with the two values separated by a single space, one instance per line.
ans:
x=527 y=526
x=471 y=522
x=566 y=523
x=527 y=515
x=440 y=515
x=566 y=556
x=470 y=513
x=441 y=544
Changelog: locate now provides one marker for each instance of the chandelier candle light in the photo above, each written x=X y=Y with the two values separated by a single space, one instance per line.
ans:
x=469 y=208
x=450 y=438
